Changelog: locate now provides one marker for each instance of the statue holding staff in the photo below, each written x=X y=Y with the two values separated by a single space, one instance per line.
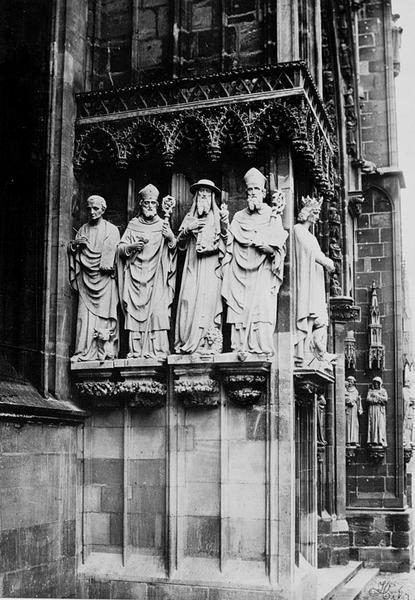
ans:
x=146 y=263
x=253 y=268
x=199 y=309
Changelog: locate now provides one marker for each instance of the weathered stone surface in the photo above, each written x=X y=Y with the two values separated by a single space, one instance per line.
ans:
x=202 y=538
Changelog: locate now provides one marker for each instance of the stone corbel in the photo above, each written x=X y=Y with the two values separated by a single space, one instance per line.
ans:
x=343 y=309
x=95 y=382
x=245 y=389
x=306 y=388
x=99 y=393
x=144 y=392
x=139 y=382
x=245 y=383
x=376 y=453
x=350 y=454
x=196 y=388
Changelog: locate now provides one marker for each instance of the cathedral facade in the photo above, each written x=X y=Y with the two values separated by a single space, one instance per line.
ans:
x=203 y=325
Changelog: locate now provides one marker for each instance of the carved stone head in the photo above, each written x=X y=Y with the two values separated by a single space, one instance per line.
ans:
x=96 y=207
x=255 y=188
x=148 y=201
x=310 y=209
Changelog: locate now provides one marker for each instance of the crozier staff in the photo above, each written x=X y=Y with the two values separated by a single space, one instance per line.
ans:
x=146 y=264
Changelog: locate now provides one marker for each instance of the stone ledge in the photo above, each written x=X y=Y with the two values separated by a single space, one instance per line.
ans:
x=19 y=400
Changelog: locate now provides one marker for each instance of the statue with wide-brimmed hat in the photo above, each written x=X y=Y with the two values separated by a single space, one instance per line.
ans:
x=202 y=237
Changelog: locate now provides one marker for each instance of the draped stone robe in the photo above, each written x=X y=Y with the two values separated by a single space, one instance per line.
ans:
x=311 y=305
x=199 y=308
x=147 y=283
x=353 y=409
x=376 y=417
x=97 y=323
x=252 y=279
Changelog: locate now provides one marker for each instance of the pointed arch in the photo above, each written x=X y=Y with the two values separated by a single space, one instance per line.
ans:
x=189 y=130
x=231 y=130
x=147 y=139
x=96 y=145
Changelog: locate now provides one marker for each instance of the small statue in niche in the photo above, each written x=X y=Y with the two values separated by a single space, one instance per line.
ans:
x=146 y=262
x=91 y=274
x=354 y=408
x=321 y=421
x=199 y=311
x=311 y=315
x=253 y=268
x=376 y=400
x=409 y=416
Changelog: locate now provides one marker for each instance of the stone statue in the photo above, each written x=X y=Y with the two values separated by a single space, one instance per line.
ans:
x=321 y=424
x=253 y=268
x=376 y=400
x=146 y=263
x=311 y=307
x=92 y=275
x=354 y=408
x=199 y=311
x=409 y=417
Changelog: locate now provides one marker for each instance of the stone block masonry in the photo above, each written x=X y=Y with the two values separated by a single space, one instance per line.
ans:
x=38 y=474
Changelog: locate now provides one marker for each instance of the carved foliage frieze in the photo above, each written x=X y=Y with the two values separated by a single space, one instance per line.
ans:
x=144 y=392
x=245 y=389
x=246 y=125
x=343 y=309
x=197 y=389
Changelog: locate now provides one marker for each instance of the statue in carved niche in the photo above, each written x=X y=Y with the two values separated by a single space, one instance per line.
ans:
x=354 y=408
x=311 y=307
x=202 y=236
x=146 y=263
x=253 y=268
x=376 y=400
x=92 y=275
x=321 y=424
x=409 y=416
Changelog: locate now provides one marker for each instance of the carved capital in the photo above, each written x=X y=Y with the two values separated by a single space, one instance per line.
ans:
x=306 y=390
x=197 y=389
x=136 y=381
x=245 y=389
x=342 y=309
x=144 y=392
x=97 y=392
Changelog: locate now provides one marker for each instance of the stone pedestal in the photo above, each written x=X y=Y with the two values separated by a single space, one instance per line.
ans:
x=181 y=491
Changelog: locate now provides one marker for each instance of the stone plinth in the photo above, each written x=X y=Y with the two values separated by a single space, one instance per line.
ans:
x=184 y=494
x=108 y=383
